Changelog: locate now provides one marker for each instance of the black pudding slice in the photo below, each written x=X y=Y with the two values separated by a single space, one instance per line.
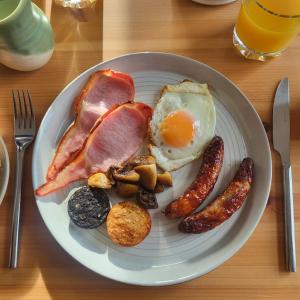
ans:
x=88 y=207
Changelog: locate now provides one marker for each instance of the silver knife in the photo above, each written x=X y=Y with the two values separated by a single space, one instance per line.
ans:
x=281 y=141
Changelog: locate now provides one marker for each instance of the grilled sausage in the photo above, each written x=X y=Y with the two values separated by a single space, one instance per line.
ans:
x=223 y=207
x=203 y=184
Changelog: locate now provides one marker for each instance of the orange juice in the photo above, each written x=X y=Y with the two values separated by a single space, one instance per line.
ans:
x=268 y=26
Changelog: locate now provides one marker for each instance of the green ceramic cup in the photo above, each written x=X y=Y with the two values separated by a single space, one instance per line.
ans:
x=26 y=36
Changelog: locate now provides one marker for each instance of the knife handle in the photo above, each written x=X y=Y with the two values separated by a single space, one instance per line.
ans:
x=290 y=248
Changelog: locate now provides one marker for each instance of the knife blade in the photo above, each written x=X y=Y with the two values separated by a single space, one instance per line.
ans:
x=281 y=121
x=281 y=142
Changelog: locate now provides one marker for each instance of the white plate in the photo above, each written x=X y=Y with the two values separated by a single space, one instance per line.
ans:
x=213 y=2
x=166 y=256
x=4 y=169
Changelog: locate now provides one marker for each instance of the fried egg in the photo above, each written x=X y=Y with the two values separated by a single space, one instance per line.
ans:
x=182 y=125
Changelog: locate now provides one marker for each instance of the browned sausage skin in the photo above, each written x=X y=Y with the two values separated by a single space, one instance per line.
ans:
x=223 y=207
x=203 y=184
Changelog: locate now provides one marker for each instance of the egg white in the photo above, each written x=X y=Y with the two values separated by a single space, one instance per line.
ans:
x=195 y=99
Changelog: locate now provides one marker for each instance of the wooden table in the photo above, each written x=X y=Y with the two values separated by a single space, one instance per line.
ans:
x=116 y=27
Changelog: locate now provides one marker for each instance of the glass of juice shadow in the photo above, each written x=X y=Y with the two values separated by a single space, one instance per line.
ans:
x=265 y=28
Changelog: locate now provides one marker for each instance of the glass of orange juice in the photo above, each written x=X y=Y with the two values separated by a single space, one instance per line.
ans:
x=266 y=27
x=75 y=3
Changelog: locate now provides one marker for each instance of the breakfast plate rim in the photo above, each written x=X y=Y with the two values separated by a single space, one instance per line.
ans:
x=213 y=2
x=6 y=169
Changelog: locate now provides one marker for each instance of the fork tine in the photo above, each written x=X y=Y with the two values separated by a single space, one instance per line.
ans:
x=32 y=119
x=24 y=118
x=21 y=119
x=15 y=106
x=25 y=110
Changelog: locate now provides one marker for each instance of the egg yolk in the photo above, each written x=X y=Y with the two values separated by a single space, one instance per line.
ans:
x=177 y=129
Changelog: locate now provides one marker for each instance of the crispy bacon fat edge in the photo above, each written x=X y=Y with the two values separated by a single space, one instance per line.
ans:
x=203 y=184
x=225 y=205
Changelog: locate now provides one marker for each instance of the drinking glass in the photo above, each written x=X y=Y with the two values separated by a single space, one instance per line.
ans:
x=76 y=3
x=265 y=28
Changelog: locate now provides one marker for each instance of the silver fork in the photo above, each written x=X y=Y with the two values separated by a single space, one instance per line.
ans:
x=24 y=132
